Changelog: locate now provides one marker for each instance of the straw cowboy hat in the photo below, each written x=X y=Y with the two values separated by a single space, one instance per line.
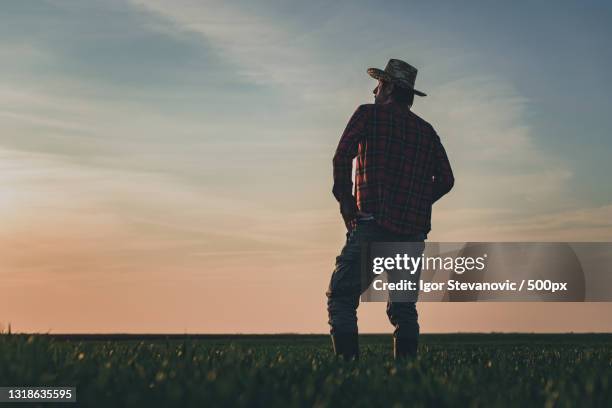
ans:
x=399 y=73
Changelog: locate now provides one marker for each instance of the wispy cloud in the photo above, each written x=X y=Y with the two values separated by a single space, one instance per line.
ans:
x=264 y=50
x=498 y=160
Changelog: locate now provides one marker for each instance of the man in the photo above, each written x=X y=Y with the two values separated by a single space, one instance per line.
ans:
x=401 y=170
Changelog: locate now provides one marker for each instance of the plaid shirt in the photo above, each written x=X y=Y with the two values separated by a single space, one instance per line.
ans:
x=402 y=167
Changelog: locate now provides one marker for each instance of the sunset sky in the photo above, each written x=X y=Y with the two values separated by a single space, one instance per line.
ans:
x=166 y=165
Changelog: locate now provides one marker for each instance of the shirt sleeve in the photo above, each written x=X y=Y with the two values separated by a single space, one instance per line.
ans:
x=443 y=177
x=346 y=151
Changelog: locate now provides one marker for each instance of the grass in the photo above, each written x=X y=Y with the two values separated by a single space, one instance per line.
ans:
x=452 y=370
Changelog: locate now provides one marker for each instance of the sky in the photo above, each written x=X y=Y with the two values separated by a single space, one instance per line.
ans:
x=166 y=166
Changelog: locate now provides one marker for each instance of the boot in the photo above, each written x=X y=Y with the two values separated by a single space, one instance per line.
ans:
x=346 y=345
x=404 y=347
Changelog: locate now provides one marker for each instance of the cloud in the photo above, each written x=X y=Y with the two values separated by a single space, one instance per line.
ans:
x=499 y=162
x=588 y=224
x=259 y=48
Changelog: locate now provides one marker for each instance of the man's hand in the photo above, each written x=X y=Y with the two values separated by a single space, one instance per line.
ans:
x=349 y=211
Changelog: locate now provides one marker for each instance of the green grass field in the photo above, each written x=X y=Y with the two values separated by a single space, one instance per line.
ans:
x=452 y=370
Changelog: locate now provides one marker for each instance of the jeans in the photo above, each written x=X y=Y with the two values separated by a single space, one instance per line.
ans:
x=346 y=286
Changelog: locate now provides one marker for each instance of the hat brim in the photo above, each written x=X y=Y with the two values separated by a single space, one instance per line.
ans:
x=383 y=76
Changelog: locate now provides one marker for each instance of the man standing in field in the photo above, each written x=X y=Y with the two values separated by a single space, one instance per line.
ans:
x=402 y=169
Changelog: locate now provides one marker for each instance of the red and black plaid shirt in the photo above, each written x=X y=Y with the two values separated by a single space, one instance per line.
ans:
x=402 y=167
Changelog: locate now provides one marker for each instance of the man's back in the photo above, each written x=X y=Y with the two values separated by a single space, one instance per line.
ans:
x=401 y=170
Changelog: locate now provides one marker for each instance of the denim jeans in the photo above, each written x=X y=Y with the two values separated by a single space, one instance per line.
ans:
x=346 y=285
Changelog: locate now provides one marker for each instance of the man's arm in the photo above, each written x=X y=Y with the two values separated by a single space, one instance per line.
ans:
x=443 y=178
x=343 y=165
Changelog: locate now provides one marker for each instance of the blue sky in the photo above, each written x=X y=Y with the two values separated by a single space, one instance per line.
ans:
x=135 y=133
